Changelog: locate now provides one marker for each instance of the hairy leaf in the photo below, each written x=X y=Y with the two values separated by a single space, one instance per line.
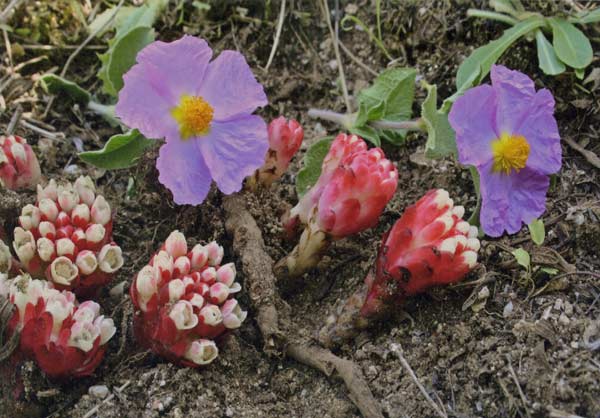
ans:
x=441 y=140
x=56 y=85
x=548 y=61
x=537 y=231
x=588 y=16
x=571 y=45
x=312 y=162
x=522 y=257
x=121 y=151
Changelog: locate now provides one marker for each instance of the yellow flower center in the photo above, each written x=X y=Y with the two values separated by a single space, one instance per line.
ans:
x=510 y=152
x=193 y=115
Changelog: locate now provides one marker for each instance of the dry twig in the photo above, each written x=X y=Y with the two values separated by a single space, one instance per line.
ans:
x=591 y=158
x=516 y=380
x=277 y=35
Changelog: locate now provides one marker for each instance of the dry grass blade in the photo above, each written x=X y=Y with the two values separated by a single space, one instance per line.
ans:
x=277 y=35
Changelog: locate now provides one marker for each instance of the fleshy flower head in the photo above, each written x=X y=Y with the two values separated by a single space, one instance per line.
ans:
x=508 y=132
x=204 y=111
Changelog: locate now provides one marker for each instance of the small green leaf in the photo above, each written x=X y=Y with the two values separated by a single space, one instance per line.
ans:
x=441 y=140
x=56 y=85
x=587 y=16
x=128 y=17
x=312 y=162
x=479 y=63
x=548 y=61
x=389 y=98
x=580 y=73
x=121 y=151
x=570 y=44
x=537 y=231
x=101 y=19
x=522 y=258
x=121 y=57
x=366 y=132
x=549 y=270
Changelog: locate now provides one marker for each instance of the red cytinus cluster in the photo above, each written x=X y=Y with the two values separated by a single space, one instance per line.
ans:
x=183 y=301
x=19 y=167
x=350 y=195
x=66 y=237
x=64 y=338
x=429 y=245
x=285 y=139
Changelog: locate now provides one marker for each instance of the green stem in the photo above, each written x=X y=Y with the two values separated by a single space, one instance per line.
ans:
x=107 y=112
x=347 y=121
x=340 y=118
x=484 y=14
x=408 y=125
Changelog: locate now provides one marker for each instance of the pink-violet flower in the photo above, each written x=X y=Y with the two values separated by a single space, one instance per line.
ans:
x=508 y=132
x=203 y=109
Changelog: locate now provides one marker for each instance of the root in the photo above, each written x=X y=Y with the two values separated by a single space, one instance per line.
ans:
x=272 y=314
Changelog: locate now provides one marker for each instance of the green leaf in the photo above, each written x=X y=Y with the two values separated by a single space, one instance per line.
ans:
x=368 y=133
x=549 y=270
x=121 y=57
x=548 y=61
x=389 y=98
x=312 y=162
x=570 y=44
x=474 y=218
x=441 y=140
x=522 y=257
x=101 y=19
x=537 y=231
x=128 y=17
x=479 y=63
x=121 y=151
x=56 y=85
x=586 y=17
x=580 y=73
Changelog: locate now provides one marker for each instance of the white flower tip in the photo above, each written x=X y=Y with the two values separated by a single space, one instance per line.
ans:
x=146 y=282
x=473 y=244
x=226 y=274
x=107 y=330
x=18 y=152
x=215 y=253
x=86 y=262
x=473 y=232
x=48 y=209
x=448 y=245
x=24 y=244
x=63 y=271
x=176 y=244
x=81 y=214
x=5 y=258
x=86 y=190
x=182 y=314
x=202 y=352
x=442 y=199
x=233 y=315
x=95 y=233
x=176 y=290
x=183 y=265
x=197 y=301
x=110 y=258
x=463 y=227
x=65 y=246
x=458 y=211
x=199 y=257
x=211 y=315
x=219 y=292
x=100 y=211
x=45 y=249
x=209 y=275
x=470 y=258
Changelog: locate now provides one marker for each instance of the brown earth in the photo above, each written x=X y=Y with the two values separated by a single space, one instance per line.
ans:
x=521 y=351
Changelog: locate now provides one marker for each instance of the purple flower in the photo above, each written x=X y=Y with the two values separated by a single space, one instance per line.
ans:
x=508 y=132
x=204 y=111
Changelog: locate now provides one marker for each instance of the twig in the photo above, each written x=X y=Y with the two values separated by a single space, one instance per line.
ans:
x=356 y=59
x=591 y=158
x=8 y=9
x=14 y=120
x=577 y=273
x=8 y=50
x=516 y=380
x=109 y=398
x=44 y=132
x=397 y=349
x=277 y=35
x=338 y=58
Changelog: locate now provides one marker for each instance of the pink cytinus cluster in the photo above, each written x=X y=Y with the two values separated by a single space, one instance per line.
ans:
x=429 y=245
x=285 y=138
x=66 y=237
x=183 y=301
x=64 y=338
x=354 y=186
x=19 y=167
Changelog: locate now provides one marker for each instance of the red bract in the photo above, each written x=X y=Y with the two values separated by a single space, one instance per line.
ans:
x=429 y=245
x=354 y=187
x=64 y=338
x=19 y=167
x=285 y=139
x=183 y=302
x=66 y=237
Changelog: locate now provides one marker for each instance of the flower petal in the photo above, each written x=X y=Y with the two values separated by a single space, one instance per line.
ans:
x=508 y=201
x=154 y=85
x=473 y=118
x=235 y=149
x=515 y=93
x=541 y=132
x=183 y=171
x=230 y=87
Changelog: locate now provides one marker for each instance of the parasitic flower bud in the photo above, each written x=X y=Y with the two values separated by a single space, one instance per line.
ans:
x=68 y=219
x=184 y=305
x=348 y=198
x=19 y=167
x=429 y=245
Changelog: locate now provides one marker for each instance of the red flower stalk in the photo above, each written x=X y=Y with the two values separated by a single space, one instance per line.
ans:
x=19 y=167
x=183 y=302
x=66 y=237
x=429 y=245
x=350 y=195
x=64 y=338
x=285 y=138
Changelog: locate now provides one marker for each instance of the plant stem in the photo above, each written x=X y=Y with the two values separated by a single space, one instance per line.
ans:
x=347 y=121
x=484 y=14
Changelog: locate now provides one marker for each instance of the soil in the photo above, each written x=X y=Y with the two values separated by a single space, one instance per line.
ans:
x=522 y=350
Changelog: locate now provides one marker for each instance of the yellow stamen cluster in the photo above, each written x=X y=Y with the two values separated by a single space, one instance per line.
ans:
x=510 y=152
x=193 y=115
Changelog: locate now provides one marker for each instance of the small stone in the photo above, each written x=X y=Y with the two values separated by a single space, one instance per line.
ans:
x=229 y=412
x=563 y=319
x=98 y=391
x=568 y=308
x=508 y=310
x=558 y=303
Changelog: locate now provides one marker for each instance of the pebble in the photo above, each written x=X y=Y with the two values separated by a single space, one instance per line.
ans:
x=508 y=310
x=563 y=319
x=98 y=391
x=229 y=412
x=568 y=309
x=558 y=303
